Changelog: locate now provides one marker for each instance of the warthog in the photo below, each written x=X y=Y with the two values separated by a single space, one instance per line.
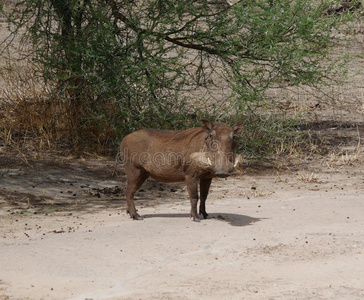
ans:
x=194 y=156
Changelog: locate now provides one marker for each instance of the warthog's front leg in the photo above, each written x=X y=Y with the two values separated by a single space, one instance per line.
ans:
x=204 y=191
x=192 y=188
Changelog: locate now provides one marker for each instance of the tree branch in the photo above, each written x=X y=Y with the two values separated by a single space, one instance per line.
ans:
x=121 y=17
x=177 y=41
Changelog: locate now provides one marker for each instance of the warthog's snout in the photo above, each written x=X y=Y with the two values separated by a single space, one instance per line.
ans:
x=222 y=174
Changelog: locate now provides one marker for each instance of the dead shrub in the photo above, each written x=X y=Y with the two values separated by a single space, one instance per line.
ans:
x=31 y=117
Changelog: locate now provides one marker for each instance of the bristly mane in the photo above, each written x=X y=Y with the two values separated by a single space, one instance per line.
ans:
x=220 y=125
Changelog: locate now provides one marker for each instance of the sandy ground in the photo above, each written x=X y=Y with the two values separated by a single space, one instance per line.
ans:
x=270 y=235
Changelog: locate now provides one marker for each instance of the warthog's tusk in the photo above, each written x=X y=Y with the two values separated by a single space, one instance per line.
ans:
x=201 y=158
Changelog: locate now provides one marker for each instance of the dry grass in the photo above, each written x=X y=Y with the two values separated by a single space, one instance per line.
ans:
x=344 y=158
x=307 y=177
x=34 y=119
x=256 y=193
x=348 y=156
x=31 y=117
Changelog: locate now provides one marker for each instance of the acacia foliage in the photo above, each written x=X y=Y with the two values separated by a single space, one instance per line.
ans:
x=122 y=65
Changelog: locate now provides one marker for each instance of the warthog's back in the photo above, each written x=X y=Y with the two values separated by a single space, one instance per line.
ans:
x=153 y=140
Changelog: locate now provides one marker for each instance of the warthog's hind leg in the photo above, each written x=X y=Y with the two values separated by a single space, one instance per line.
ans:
x=135 y=179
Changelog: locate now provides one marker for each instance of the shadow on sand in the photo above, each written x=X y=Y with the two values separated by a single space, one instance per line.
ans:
x=232 y=219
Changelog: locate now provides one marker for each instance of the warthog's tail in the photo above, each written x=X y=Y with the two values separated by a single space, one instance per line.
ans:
x=118 y=161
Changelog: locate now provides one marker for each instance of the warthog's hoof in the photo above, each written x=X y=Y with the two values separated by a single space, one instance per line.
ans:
x=204 y=214
x=135 y=216
x=196 y=220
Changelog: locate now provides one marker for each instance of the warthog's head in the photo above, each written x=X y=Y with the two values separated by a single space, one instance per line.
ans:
x=218 y=152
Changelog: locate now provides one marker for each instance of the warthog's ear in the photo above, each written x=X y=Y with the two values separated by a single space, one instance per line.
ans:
x=206 y=124
x=238 y=127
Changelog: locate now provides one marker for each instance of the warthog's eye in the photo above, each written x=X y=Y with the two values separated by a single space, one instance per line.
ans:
x=211 y=135
x=208 y=138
